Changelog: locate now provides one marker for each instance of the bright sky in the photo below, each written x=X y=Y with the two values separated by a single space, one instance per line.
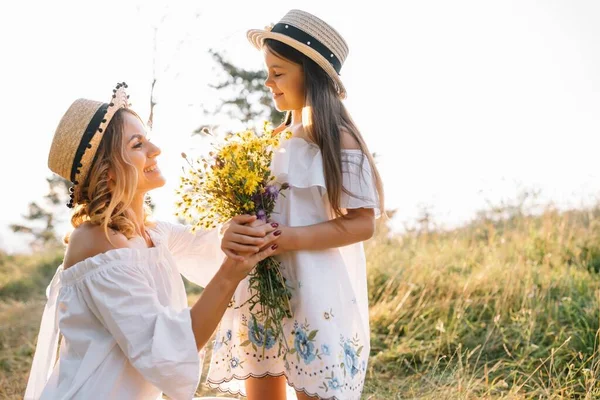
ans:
x=463 y=101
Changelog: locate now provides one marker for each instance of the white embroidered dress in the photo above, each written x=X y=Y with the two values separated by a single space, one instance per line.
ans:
x=125 y=323
x=329 y=331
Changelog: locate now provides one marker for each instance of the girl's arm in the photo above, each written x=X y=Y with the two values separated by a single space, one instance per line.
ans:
x=356 y=226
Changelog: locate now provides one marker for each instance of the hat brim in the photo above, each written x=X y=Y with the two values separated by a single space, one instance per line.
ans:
x=257 y=38
x=72 y=144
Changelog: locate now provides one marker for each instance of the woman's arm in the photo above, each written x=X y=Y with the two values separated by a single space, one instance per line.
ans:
x=210 y=307
x=199 y=255
x=160 y=341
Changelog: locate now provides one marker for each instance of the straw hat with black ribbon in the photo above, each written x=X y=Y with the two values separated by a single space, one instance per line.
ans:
x=311 y=36
x=78 y=137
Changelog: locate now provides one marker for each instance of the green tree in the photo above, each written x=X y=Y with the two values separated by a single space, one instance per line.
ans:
x=245 y=96
x=41 y=217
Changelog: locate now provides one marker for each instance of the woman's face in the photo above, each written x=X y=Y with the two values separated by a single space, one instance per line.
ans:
x=285 y=80
x=142 y=154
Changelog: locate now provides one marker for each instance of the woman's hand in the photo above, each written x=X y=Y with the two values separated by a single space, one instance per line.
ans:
x=210 y=307
x=244 y=236
x=237 y=270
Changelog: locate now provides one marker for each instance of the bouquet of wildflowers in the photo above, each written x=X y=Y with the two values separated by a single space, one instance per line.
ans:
x=236 y=179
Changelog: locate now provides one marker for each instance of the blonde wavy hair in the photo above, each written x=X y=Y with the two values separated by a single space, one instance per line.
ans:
x=106 y=203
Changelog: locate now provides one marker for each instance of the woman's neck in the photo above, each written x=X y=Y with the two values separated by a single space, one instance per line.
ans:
x=138 y=215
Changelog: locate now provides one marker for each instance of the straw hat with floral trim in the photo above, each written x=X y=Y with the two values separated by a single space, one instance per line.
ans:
x=78 y=136
x=311 y=36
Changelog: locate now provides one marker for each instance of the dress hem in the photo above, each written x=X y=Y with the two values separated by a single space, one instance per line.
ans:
x=216 y=385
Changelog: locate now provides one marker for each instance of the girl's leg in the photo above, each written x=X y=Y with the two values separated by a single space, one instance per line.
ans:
x=267 y=388
x=304 y=396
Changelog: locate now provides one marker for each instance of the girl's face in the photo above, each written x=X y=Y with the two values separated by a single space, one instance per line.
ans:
x=286 y=81
x=141 y=153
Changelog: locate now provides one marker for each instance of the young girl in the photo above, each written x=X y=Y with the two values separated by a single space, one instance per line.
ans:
x=118 y=299
x=334 y=197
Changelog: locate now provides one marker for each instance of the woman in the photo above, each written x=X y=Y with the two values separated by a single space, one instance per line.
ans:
x=118 y=299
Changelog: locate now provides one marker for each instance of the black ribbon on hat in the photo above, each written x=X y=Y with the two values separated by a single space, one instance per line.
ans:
x=86 y=138
x=305 y=38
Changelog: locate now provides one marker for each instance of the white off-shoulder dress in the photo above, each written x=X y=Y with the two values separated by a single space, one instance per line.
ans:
x=329 y=331
x=125 y=323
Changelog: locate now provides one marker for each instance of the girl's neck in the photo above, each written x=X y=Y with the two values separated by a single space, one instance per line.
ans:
x=297 y=117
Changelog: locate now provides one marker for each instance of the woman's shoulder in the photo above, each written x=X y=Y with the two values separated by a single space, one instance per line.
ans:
x=89 y=240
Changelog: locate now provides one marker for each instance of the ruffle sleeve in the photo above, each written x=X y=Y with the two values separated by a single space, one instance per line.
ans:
x=300 y=164
x=198 y=255
x=358 y=180
x=157 y=340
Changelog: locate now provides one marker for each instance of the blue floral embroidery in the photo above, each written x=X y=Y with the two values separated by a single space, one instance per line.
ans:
x=218 y=344
x=350 y=359
x=351 y=350
x=234 y=362
x=331 y=382
x=325 y=350
x=258 y=336
x=223 y=341
x=334 y=383
x=304 y=347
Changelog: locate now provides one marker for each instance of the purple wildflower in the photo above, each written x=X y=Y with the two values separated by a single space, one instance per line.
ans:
x=257 y=198
x=262 y=215
x=272 y=192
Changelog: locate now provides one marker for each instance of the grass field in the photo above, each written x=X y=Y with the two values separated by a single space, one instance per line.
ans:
x=507 y=307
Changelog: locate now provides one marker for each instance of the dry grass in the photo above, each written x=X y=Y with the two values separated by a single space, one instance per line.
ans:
x=504 y=308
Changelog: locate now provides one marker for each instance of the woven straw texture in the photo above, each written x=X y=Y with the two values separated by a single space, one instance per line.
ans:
x=318 y=29
x=70 y=130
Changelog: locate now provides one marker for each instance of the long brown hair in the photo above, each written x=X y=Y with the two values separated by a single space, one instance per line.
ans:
x=326 y=119
x=100 y=202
